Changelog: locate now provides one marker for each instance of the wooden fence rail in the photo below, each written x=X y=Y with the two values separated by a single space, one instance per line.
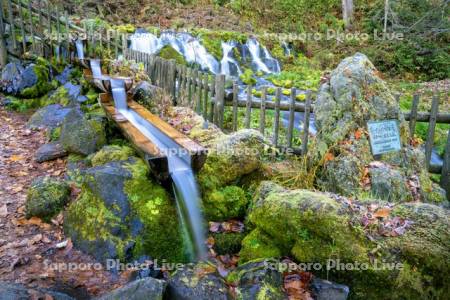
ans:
x=208 y=94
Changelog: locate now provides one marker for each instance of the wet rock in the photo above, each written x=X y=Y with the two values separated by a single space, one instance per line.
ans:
x=111 y=153
x=13 y=291
x=67 y=95
x=201 y=281
x=389 y=184
x=50 y=151
x=81 y=135
x=144 y=91
x=64 y=76
x=122 y=214
x=142 y=289
x=50 y=117
x=10 y=75
x=46 y=198
x=327 y=290
x=257 y=280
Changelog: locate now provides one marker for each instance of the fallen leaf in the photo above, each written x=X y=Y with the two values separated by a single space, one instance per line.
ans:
x=329 y=156
x=358 y=134
x=382 y=212
x=16 y=158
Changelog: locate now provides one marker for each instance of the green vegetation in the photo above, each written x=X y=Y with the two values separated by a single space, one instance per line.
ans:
x=168 y=52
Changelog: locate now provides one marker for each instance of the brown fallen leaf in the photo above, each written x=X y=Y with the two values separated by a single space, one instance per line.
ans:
x=16 y=158
x=382 y=212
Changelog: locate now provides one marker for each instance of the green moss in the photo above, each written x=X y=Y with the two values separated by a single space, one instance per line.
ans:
x=168 y=52
x=125 y=28
x=161 y=237
x=46 y=198
x=55 y=134
x=212 y=40
x=41 y=87
x=258 y=245
x=247 y=77
x=111 y=153
x=60 y=96
x=227 y=243
x=228 y=202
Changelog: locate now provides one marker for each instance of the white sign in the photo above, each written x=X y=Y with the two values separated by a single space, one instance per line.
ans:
x=384 y=136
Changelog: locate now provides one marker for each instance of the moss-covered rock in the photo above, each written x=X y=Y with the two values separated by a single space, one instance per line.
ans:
x=313 y=227
x=111 y=153
x=34 y=82
x=228 y=160
x=46 y=198
x=169 y=52
x=227 y=242
x=258 y=280
x=49 y=117
x=200 y=281
x=122 y=214
x=81 y=135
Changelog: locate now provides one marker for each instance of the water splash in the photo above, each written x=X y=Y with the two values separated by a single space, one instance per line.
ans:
x=188 y=196
x=261 y=58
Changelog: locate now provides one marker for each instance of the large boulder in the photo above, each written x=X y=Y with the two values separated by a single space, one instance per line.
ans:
x=67 y=95
x=354 y=95
x=316 y=227
x=46 y=198
x=10 y=76
x=81 y=135
x=257 y=280
x=229 y=159
x=123 y=214
x=50 y=117
x=142 y=289
x=201 y=281
x=33 y=82
x=14 y=291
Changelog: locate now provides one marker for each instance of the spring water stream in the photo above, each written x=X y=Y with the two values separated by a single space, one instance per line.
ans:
x=179 y=160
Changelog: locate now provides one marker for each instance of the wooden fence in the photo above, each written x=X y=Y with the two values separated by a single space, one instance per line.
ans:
x=47 y=29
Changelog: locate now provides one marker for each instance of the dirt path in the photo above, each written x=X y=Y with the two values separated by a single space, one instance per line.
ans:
x=29 y=248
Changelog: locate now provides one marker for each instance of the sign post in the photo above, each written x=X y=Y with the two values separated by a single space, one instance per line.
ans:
x=384 y=136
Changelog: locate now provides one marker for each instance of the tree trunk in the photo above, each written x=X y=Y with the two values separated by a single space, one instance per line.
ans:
x=386 y=11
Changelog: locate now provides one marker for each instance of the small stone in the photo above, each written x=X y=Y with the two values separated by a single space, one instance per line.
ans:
x=143 y=289
x=50 y=151
x=327 y=290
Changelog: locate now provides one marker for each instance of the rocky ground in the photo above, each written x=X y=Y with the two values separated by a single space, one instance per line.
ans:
x=26 y=244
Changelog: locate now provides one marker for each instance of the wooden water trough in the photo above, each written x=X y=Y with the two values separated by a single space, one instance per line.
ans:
x=146 y=149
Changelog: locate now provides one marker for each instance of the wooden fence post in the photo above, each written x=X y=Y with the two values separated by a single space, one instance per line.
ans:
x=276 y=121
x=220 y=99
x=11 y=23
x=431 y=130
x=262 y=111
x=235 y=105
x=413 y=117
x=248 y=109
x=3 y=49
x=171 y=78
x=291 y=117
x=445 y=176
x=306 y=123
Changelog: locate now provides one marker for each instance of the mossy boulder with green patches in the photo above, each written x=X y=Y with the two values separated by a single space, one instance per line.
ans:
x=258 y=279
x=227 y=242
x=313 y=227
x=34 y=82
x=111 y=153
x=81 y=135
x=121 y=213
x=201 y=281
x=66 y=95
x=354 y=95
x=229 y=159
x=48 y=117
x=168 y=52
x=46 y=198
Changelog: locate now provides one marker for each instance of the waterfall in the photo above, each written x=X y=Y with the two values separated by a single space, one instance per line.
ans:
x=80 y=49
x=96 y=68
x=179 y=160
x=228 y=65
x=194 y=52
x=261 y=58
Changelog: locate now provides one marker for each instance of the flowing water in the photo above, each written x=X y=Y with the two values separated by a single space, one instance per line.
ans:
x=80 y=49
x=179 y=160
x=96 y=68
x=228 y=65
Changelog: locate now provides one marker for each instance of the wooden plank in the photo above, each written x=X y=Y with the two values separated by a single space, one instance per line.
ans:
x=22 y=29
x=68 y=41
x=212 y=102
x=413 y=115
x=276 y=121
x=3 y=49
x=116 y=44
x=205 y=96
x=235 y=107
x=58 y=37
x=248 y=108
x=306 y=121
x=11 y=23
x=262 y=111
x=198 y=93
x=431 y=130
x=290 y=132
x=445 y=175
x=30 y=20
x=220 y=99
x=50 y=29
